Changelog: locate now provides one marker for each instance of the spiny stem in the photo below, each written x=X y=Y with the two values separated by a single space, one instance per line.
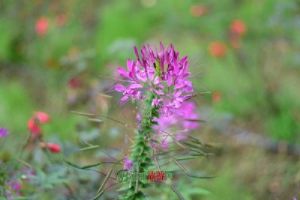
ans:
x=141 y=151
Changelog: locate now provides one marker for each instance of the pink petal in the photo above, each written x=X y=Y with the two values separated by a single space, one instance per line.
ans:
x=122 y=72
x=135 y=86
x=124 y=99
x=42 y=117
x=119 y=88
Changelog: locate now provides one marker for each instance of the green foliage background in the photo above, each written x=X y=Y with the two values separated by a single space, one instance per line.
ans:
x=259 y=82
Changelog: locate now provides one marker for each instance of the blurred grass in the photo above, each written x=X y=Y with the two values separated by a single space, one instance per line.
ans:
x=258 y=82
x=15 y=106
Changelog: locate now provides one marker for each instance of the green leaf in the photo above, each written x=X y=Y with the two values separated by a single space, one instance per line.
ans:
x=86 y=166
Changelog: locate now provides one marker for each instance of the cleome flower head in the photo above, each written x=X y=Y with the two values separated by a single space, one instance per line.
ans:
x=161 y=72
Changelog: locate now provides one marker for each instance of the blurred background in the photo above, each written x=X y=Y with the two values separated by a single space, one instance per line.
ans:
x=61 y=56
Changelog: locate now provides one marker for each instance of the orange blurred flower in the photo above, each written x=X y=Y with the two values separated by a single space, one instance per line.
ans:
x=41 y=26
x=217 y=49
x=237 y=30
x=198 y=10
x=238 y=27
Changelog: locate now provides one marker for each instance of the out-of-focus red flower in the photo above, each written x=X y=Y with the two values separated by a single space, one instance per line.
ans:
x=238 y=27
x=33 y=126
x=41 y=26
x=198 y=10
x=54 y=148
x=36 y=120
x=216 y=96
x=237 y=30
x=217 y=49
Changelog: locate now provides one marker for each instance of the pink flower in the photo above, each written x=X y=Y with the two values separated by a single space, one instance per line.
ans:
x=42 y=117
x=177 y=125
x=34 y=122
x=160 y=71
x=127 y=163
x=164 y=74
x=33 y=126
x=41 y=26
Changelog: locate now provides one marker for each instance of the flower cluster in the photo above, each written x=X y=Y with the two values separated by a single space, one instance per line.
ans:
x=35 y=122
x=161 y=72
x=34 y=126
x=158 y=79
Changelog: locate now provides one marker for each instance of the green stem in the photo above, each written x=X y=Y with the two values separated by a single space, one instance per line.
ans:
x=141 y=151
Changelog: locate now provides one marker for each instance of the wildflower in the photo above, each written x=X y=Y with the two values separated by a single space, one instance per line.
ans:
x=41 y=26
x=3 y=132
x=217 y=49
x=238 y=27
x=158 y=80
x=34 y=122
x=127 y=163
x=53 y=148
x=42 y=117
x=160 y=72
x=33 y=126
x=184 y=118
x=237 y=30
